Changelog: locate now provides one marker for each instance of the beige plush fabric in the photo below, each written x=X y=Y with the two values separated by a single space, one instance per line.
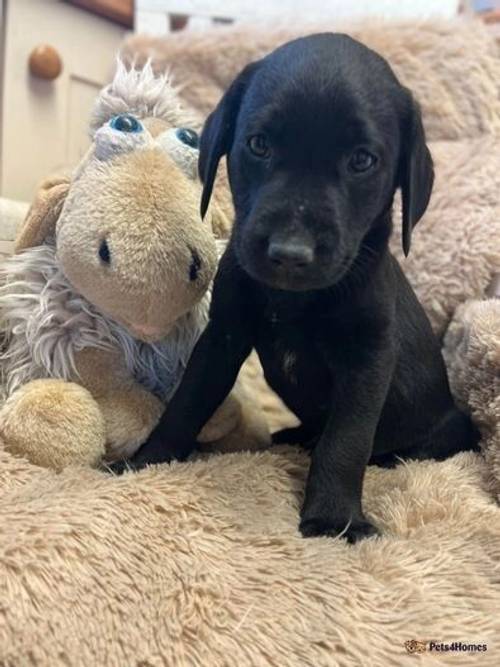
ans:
x=455 y=248
x=201 y=563
x=12 y=214
x=453 y=66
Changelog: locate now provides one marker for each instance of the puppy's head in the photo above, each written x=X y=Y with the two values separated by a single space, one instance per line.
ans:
x=319 y=135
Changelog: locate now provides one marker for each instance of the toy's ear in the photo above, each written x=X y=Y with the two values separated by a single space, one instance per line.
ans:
x=42 y=216
x=221 y=225
x=416 y=173
x=218 y=133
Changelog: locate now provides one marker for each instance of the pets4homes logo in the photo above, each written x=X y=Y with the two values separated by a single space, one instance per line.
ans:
x=422 y=646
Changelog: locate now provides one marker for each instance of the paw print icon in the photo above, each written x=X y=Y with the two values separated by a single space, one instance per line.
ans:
x=415 y=646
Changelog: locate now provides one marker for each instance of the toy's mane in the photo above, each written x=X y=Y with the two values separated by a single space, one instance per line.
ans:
x=141 y=92
x=44 y=322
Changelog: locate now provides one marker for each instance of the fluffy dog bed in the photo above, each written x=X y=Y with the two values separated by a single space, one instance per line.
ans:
x=201 y=563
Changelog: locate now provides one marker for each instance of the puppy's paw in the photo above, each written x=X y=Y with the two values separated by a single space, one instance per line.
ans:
x=147 y=455
x=296 y=435
x=134 y=464
x=141 y=460
x=119 y=467
x=352 y=529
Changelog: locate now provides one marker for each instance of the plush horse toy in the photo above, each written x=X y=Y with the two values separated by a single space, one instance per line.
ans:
x=109 y=289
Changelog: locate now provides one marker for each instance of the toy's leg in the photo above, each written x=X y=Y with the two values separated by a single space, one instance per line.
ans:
x=53 y=423
x=130 y=414
x=238 y=424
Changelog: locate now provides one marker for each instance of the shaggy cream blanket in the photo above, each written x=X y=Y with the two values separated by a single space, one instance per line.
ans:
x=201 y=563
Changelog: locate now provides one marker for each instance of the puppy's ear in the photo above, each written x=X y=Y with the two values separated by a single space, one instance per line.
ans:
x=218 y=133
x=416 y=173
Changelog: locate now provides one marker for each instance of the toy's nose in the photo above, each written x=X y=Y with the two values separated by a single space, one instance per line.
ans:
x=290 y=255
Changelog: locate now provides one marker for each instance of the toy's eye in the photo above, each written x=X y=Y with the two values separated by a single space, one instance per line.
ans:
x=104 y=252
x=258 y=146
x=188 y=137
x=126 y=123
x=362 y=160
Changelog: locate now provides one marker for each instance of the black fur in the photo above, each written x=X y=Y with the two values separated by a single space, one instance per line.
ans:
x=308 y=280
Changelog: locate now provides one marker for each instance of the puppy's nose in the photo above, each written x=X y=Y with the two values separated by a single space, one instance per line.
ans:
x=290 y=255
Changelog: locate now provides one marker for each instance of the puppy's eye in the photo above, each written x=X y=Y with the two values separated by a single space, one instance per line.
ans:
x=258 y=145
x=188 y=137
x=125 y=123
x=361 y=160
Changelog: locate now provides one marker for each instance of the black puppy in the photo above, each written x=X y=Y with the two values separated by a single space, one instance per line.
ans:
x=319 y=135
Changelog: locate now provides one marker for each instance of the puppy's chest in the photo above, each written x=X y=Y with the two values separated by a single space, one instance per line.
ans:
x=290 y=353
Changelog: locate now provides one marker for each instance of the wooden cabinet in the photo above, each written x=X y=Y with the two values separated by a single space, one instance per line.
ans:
x=55 y=59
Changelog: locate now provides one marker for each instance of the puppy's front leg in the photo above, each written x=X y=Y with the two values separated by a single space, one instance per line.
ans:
x=332 y=502
x=210 y=374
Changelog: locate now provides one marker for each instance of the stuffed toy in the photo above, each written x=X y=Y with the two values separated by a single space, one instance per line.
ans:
x=109 y=289
x=472 y=354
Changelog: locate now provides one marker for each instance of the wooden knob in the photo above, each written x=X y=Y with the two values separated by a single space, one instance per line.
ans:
x=45 y=63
